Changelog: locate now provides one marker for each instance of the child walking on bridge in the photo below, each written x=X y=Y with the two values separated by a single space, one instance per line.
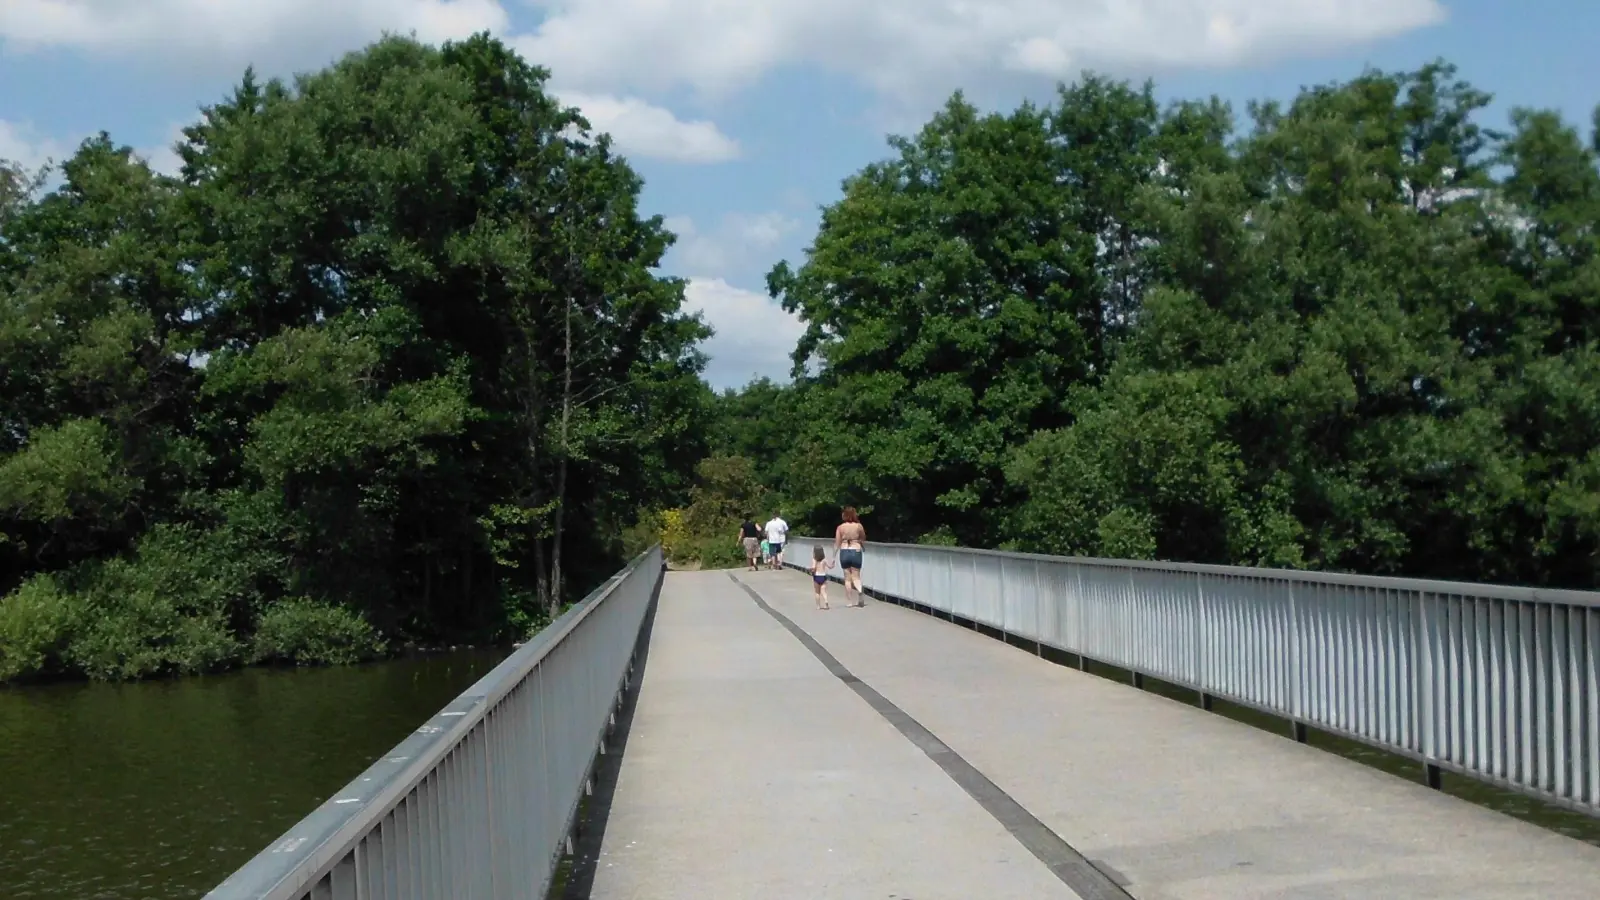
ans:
x=820 y=564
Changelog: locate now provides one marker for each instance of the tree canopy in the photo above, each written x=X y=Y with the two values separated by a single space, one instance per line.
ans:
x=387 y=360
x=1358 y=333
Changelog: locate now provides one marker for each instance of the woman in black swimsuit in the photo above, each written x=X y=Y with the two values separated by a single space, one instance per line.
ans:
x=849 y=539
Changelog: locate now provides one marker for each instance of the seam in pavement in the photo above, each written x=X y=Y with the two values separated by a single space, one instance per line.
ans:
x=1071 y=867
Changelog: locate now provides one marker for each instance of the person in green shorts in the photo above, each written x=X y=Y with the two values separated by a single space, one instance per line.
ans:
x=766 y=552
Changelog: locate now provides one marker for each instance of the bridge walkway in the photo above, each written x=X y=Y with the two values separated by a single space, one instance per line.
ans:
x=780 y=752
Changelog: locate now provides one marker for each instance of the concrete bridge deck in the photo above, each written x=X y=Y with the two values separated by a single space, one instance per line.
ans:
x=781 y=752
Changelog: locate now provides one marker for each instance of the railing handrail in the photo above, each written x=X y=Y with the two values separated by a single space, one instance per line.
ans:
x=293 y=863
x=1563 y=596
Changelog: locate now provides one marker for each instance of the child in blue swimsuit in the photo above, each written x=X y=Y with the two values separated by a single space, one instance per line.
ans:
x=820 y=565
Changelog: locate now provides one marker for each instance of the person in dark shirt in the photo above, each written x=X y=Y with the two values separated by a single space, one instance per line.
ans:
x=750 y=536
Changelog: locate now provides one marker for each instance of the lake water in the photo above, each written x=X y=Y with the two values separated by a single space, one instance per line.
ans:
x=161 y=789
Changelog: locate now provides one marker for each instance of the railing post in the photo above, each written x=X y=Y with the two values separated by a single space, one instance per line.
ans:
x=489 y=804
x=1078 y=604
x=1297 y=725
x=1200 y=670
x=1423 y=692
x=1038 y=608
x=1132 y=618
x=1000 y=595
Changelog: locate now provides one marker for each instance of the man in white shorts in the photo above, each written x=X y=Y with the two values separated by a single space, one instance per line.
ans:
x=777 y=532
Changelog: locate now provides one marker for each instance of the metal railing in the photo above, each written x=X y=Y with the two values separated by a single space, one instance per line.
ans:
x=1497 y=683
x=479 y=802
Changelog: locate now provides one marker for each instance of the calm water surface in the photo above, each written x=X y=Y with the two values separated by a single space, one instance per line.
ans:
x=161 y=789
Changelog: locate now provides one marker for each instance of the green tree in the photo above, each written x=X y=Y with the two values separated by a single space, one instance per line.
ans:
x=945 y=295
x=387 y=360
x=96 y=351
x=1360 y=336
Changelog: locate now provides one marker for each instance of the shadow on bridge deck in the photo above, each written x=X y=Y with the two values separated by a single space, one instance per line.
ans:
x=781 y=752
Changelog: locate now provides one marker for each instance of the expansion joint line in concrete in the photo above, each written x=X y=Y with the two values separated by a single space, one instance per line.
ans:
x=1075 y=871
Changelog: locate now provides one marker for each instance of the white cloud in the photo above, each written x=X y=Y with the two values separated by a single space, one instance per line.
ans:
x=163 y=158
x=907 y=49
x=740 y=240
x=1040 y=56
x=24 y=144
x=223 y=36
x=754 y=335
x=919 y=49
x=614 y=55
x=647 y=131
x=231 y=33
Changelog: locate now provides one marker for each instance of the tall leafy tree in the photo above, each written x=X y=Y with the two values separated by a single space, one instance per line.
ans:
x=1359 y=335
x=387 y=358
x=945 y=295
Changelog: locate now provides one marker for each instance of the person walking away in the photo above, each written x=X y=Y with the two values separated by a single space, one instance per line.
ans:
x=766 y=552
x=777 y=532
x=750 y=537
x=820 y=565
x=849 y=539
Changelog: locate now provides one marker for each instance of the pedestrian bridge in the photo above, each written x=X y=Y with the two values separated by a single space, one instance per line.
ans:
x=713 y=735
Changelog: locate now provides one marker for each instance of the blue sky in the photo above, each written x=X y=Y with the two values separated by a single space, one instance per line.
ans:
x=743 y=117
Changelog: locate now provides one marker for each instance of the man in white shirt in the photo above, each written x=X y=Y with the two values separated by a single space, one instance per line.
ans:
x=777 y=531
